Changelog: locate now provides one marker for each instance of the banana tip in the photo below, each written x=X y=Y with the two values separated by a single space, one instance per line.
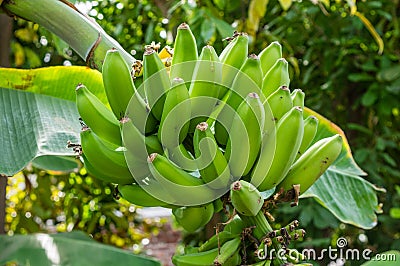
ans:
x=152 y=157
x=236 y=186
x=183 y=26
x=202 y=126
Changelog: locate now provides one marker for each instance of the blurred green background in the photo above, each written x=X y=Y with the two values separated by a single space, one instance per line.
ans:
x=334 y=58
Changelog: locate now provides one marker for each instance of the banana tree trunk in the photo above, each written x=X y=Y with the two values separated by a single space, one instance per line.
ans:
x=62 y=18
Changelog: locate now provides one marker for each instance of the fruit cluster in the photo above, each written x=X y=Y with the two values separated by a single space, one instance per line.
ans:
x=186 y=131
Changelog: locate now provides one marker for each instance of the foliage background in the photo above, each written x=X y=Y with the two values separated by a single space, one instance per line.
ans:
x=333 y=58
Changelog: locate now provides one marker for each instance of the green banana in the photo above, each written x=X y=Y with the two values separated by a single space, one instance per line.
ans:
x=310 y=130
x=97 y=116
x=232 y=59
x=174 y=124
x=277 y=76
x=185 y=54
x=245 y=136
x=116 y=179
x=267 y=149
x=104 y=156
x=137 y=195
x=182 y=158
x=289 y=134
x=228 y=250
x=280 y=102
x=245 y=198
x=193 y=218
x=118 y=82
x=298 y=98
x=136 y=151
x=269 y=55
x=188 y=190
x=217 y=240
x=153 y=144
x=196 y=259
x=247 y=80
x=156 y=82
x=139 y=112
x=235 y=226
x=313 y=163
x=212 y=165
x=205 y=86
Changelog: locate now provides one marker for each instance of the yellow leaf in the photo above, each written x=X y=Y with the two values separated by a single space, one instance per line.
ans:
x=353 y=7
x=371 y=30
x=257 y=9
x=285 y=4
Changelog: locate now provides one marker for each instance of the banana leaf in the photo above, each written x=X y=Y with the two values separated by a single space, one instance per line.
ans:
x=74 y=248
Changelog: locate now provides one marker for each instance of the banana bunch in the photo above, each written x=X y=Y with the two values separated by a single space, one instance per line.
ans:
x=197 y=127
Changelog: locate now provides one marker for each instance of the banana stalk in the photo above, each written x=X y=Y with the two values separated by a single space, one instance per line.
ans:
x=62 y=18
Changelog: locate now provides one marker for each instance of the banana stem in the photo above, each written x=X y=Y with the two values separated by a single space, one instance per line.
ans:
x=262 y=228
x=82 y=33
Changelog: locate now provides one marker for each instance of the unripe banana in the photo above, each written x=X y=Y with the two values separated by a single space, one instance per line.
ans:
x=165 y=169
x=280 y=102
x=235 y=226
x=156 y=82
x=104 y=157
x=139 y=112
x=194 y=217
x=298 y=98
x=245 y=136
x=118 y=82
x=153 y=144
x=276 y=77
x=313 y=163
x=188 y=190
x=289 y=134
x=232 y=58
x=269 y=56
x=174 y=124
x=245 y=198
x=182 y=158
x=310 y=130
x=97 y=116
x=136 y=151
x=196 y=259
x=249 y=79
x=228 y=250
x=212 y=165
x=116 y=179
x=137 y=195
x=217 y=240
x=205 y=86
x=267 y=149
x=185 y=54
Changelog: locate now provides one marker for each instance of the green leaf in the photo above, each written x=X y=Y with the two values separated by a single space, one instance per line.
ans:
x=59 y=81
x=224 y=29
x=207 y=30
x=395 y=213
x=65 y=249
x=369 y=98
x=357 y=77
x=35 y=125
x=389 y=74
x=341 y=189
